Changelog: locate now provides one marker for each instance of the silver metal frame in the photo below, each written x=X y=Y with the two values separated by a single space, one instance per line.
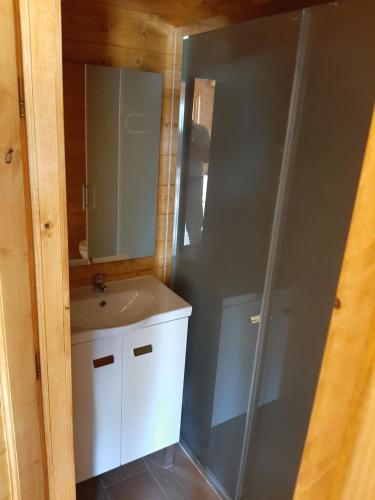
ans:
x=205 y=471
x=265 y=315
x=170 y=155
x=286 y=166
x=181 y=120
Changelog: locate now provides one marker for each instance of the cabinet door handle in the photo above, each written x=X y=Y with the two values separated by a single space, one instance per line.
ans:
x=145 y=349
x=107 y=360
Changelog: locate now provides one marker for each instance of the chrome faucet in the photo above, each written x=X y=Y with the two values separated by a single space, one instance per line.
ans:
x=98 y=285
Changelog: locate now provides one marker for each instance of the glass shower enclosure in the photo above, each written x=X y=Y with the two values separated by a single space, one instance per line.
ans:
x=274 y=119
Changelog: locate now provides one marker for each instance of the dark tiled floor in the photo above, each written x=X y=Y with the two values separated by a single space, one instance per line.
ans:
x=148 y=479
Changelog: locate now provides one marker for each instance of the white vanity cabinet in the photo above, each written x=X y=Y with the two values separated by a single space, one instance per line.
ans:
x=97 y=386
x=127 y=392
x=128 y=354
x=153 y=377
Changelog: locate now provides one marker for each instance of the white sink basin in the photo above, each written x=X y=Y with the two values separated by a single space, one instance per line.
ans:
x=131 y=303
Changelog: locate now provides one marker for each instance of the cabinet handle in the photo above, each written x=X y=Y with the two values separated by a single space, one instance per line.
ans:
x=107 y=360
x=145 y=349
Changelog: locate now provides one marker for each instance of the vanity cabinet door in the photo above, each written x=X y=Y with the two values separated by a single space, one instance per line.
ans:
x=97 y=376
x=154 y=365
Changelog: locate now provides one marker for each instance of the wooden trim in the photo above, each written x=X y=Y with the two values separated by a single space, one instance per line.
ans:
x=30 y=243
x=14 y=485
x=20 y=390
x=12 y=481
x=41 y=51
x=5 y=484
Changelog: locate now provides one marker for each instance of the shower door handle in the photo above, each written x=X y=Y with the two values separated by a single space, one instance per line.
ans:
x=254 y=320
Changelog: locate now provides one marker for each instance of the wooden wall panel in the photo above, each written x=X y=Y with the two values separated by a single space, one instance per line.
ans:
x=183 y=12
x=5 y=492
x=40 y=23
x=108 y=34
x=20 y=390
x=116 y=25
x=339 y=455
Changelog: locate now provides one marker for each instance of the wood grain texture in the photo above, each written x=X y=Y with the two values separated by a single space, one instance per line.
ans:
x=183 y=12
x=41 y=53
x=20 y=391
x=5 y=489
x=339 y=455
x=113 y=35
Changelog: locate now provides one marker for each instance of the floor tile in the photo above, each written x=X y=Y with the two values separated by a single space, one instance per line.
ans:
x=140 y=487
x=124 y=472
x=92 y=489
x=182 y=481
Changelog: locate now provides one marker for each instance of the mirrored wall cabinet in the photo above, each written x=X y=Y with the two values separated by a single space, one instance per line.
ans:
x=122 y=122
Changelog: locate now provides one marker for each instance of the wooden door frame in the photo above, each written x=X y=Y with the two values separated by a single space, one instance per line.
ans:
x=22 y=429
x=40 y=33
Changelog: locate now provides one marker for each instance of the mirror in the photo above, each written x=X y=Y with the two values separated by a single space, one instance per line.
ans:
x=122 y=115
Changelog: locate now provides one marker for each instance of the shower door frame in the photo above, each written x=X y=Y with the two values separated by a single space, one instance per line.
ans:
x=275 y=233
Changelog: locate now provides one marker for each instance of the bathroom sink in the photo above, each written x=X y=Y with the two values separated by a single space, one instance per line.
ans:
x=129 y=303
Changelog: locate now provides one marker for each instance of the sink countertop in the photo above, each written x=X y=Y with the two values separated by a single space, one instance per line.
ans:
x=127 y=305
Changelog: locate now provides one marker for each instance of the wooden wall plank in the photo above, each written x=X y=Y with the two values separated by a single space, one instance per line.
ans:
x=183 y=12
x=19 y=388
x=116 y=270
x=339 y=455
x=357 y=478
x=114 y=55
x=115 y=25
x=42 y=64
x=5 y=489
x=108 y=34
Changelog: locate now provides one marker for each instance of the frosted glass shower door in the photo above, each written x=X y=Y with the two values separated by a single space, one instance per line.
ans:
x=333 y=113
x=237 y=86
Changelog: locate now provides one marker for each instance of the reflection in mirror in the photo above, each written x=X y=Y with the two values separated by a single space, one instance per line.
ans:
x=197 y=165
x=123 y=114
